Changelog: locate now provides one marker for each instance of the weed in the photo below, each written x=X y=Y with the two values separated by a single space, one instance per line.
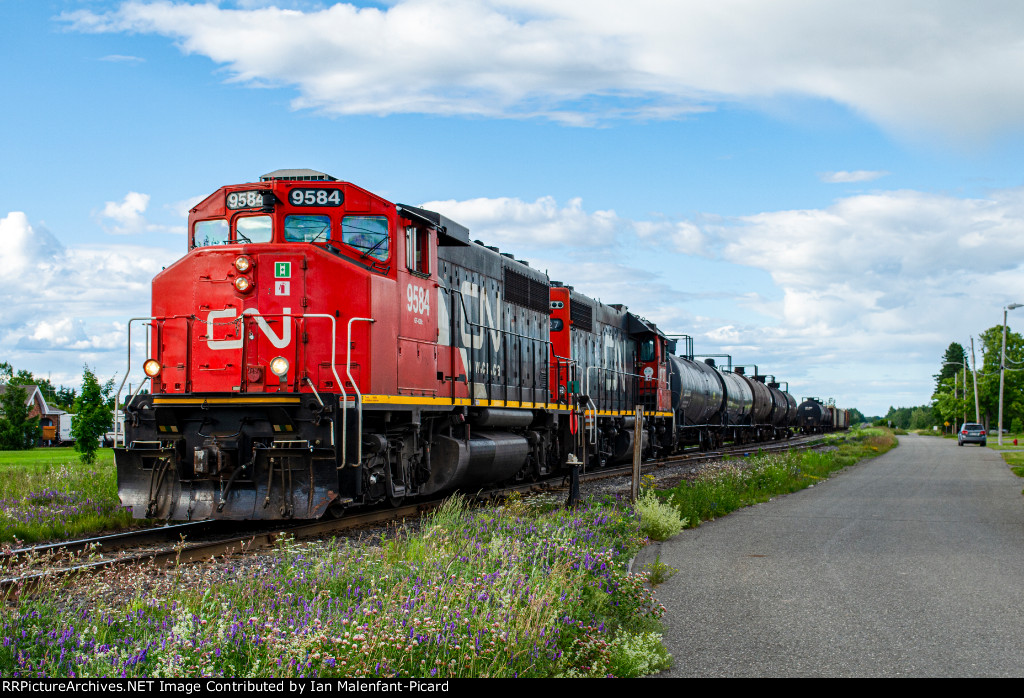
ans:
x=658 y=572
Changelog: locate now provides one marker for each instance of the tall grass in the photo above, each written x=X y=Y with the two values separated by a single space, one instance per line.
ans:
x=525 y=591
x=760 y=477
x=49 y=494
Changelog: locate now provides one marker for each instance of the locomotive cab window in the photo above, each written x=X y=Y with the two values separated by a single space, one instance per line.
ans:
x=368 y=235
x=214 y=232
x=253 y=229
x=417 y=249
x=647 y=350
x=307 y=228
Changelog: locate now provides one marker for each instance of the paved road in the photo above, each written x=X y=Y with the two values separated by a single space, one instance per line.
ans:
x=908 y=565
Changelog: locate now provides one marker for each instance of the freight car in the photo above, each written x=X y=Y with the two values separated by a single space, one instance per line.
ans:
x=320 y=348
x=817 y=417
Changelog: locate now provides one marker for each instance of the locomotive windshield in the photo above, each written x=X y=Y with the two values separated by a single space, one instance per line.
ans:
x=254 y=229
x=248 y=229
x=307 y=228
x=212 y=233
x=368 y=234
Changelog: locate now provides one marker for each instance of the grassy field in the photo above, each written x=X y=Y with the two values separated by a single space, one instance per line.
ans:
x=49 y=494
x=1015 y=459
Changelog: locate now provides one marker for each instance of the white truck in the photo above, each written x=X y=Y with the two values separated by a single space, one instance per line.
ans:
x=116 y=431
x=64 y=429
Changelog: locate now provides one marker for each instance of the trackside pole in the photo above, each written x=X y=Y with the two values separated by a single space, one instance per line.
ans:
x=634 y=491
x=574 y=481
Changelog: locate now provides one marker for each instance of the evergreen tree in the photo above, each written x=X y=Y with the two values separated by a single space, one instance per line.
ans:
x=856 y=417
x=952 y=361
x=94 y=413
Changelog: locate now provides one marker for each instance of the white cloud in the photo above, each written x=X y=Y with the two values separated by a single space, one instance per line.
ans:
x=127 y=217
x=64 y=306
x=115 y=58
x=543 y=222
x=72 y=334
x=844 y=177
x=683 y=236
x=181 y=208
x=885 y=280
x=24 y=248
x=867 y=294
x=939 y=66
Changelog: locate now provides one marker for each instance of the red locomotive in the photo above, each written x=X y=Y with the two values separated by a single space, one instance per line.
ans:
x=320 y=348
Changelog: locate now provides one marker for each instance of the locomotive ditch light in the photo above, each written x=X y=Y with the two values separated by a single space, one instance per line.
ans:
x=279 y=366
x=243 y=263
x=243 y=284
x=152 y=368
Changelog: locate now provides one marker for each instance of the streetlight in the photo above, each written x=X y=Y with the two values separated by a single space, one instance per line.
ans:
x=1002 y=367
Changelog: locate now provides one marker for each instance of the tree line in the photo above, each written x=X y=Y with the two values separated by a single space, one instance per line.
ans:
x=93 y=410
x=953 y=398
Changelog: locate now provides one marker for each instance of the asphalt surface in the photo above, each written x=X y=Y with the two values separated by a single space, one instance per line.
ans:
x=911 y=564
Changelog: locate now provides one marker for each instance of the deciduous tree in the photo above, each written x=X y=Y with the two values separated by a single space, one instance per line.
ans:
x=18 y=431
x=94 y=413
x=988 y=376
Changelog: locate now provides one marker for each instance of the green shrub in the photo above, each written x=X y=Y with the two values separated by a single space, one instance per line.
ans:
x=658 y=520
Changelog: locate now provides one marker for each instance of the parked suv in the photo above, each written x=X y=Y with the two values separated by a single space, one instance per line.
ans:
x=971 y=434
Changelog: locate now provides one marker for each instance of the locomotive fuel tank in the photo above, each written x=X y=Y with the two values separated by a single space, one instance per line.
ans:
x=487 y=457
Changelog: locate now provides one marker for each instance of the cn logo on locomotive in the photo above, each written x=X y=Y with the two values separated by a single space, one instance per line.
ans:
x=222 y=317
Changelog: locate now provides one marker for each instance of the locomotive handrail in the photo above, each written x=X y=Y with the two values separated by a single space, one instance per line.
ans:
x=359 y=401
x=590 y=399
x=234 y=321
x=128 y=371
x=337 y=379
x=569 y=362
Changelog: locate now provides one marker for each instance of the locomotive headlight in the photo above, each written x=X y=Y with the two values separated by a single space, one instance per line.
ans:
x=152 y=368
x=243 y=264
x=279 y=366
x=243 y=284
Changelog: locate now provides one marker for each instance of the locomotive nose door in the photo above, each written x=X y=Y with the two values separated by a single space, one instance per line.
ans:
x=271 y=329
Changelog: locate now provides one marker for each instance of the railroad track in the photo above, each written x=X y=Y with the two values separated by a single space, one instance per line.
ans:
x=164 y=545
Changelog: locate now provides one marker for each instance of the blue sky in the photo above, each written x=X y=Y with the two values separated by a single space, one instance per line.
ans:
x=829 y=190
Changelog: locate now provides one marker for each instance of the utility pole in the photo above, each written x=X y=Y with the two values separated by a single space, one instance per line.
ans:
x=1002 y=368
x=974 y=370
